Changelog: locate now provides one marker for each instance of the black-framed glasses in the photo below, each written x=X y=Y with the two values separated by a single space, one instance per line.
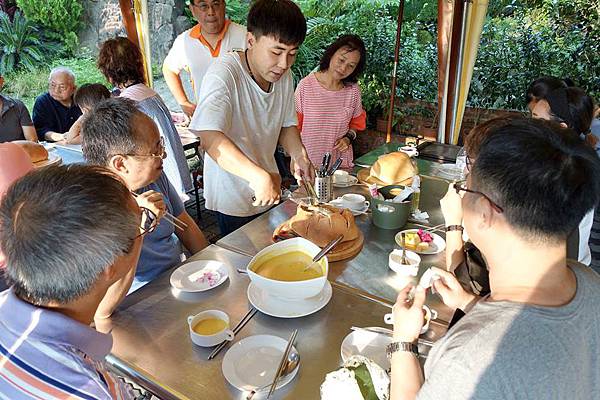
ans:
x=162 y=152
x=460 y=187
x=148 y=222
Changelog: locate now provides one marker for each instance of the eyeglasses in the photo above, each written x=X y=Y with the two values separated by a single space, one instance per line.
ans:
x=60 y=87
x=162 y=153
x=148 y=222
x=460 y=187
x=204 y=7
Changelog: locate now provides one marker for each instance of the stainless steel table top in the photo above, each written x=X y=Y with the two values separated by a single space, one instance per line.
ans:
x=368 y=271
x=152 y=343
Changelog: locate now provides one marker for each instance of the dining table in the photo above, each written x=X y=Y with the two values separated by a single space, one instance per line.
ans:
x=152 y=343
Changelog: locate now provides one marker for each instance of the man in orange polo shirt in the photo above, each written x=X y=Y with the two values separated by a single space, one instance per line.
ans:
x=195 y=49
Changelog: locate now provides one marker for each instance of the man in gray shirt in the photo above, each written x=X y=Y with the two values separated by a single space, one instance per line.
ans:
x=537 y=334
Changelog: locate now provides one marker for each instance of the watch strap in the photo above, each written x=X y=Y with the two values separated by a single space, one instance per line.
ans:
x=401 y=346
x=450 y=228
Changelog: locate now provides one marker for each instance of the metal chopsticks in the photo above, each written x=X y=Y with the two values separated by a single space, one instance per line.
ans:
x=236 y=330
x=286 y=353
x=173 y=220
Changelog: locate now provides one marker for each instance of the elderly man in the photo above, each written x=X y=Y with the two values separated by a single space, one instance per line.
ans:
x=15 y=122
x=537 y=334
x=195 y=49
x=116 y=134
x=47 y=347
x=55 y=112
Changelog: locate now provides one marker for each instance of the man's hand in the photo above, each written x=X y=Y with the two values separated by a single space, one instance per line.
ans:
x=451 y=205
x=188 y=108
x=342 y=144
x=302 y=168
x=153 y=201
x=452 y=293
x=267 y=189
x=408 y=317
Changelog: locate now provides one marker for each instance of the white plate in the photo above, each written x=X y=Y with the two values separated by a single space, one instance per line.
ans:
x=180 y=278
x=447 y=171
x=437 y=246
x=280 y=308
x=339 y=204
x=351 y=182
x=53 y=159
x=369 y=344
x=253 y=361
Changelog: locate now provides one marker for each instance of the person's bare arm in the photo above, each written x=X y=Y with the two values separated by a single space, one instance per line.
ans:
x=54 y=136
x=452 y=211
x=73 y=136
x=113 y=297
x=290 y=139
x=173 y=81
x=192 y=237
x=30 y=133
x=266 y=186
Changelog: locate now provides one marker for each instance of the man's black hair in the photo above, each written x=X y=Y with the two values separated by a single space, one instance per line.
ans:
x=543 y=176
x=281 y=19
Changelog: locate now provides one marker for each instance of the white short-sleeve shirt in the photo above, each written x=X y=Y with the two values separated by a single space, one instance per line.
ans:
x=231 y=102
x=189 y=53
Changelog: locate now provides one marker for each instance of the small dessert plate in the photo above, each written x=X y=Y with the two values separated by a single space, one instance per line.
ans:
x=437 y=246
x=199 y=276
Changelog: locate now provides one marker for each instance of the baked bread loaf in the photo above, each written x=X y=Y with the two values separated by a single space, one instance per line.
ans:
x=36 y=151
x=393 y=168
x=322 y=224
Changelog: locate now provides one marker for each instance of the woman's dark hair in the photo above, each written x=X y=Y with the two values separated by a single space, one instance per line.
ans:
x=90 y=94
x=121 y=62
x=539 y=88
x=281 y=19
x=575 y=108
x=353 y=43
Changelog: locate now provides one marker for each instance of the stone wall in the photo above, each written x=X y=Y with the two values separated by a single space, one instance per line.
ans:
x=102 y=20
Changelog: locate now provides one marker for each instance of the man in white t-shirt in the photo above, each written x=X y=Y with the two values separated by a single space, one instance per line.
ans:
x=195 y=49
x=245 y=108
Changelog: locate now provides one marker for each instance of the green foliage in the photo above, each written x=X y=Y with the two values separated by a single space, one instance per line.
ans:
x=61 y=17
x=521 y=40
x=26 y=85
x=20 y=44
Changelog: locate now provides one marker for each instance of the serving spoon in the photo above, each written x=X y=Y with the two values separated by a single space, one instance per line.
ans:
x=290 y=365
x=328 y=247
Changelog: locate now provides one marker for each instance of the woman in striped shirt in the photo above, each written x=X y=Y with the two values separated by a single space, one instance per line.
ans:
x=328 y=102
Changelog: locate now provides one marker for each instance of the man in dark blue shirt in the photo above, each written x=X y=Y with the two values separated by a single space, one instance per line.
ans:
x=54 y=112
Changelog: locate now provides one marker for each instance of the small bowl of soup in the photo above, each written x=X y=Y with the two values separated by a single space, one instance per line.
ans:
x=281 y=269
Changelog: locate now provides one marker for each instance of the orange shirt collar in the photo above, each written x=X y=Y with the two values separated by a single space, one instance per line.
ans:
x=196 y=33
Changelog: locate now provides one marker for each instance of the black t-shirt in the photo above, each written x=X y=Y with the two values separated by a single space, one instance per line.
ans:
x=51 y=115
x=13 y=116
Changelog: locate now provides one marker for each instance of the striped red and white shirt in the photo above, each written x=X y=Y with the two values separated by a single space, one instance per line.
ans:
x=45 y=355
x=325 y=116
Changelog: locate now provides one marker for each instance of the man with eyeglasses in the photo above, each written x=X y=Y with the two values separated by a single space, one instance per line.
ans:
x=195 y=49
x=54 y=112
x=119 y=136
x=537 y=334
x=47 y=348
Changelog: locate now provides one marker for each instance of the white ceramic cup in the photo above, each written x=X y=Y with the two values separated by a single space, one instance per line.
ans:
x=429 y=316
x=354 y=201
x=341 y=176
x=209 y=340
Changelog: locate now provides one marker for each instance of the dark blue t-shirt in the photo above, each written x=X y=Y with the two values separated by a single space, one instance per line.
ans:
x=51 y=115
x=161 y=249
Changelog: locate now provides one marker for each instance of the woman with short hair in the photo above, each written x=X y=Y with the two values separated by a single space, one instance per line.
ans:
x=328 y=102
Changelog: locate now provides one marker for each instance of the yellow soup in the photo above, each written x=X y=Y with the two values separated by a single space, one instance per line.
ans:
x=209 y=326
x=289 y=267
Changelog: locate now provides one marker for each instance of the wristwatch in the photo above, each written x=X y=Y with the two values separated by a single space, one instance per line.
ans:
x=401 y=346
x=450 y=228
